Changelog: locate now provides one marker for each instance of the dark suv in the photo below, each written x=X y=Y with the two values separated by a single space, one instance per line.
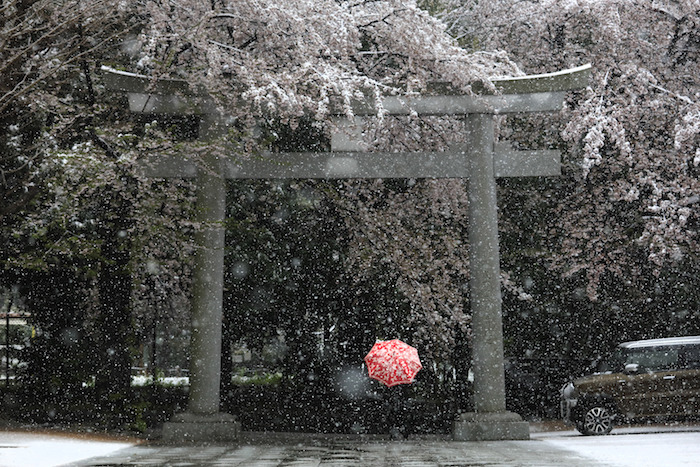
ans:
x=640 y=380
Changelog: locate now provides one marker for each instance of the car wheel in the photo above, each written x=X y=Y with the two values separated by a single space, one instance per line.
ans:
x=596 y=420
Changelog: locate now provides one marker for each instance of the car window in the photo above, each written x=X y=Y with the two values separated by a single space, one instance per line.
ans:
x=691 y=358
x=613 y=363
x=654 y=359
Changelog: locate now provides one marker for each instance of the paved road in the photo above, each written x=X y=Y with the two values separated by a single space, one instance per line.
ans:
x=422 y=453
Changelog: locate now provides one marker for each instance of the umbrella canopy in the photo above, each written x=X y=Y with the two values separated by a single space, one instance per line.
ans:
x=393 y=362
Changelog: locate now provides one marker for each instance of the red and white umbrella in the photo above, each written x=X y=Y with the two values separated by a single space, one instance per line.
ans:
x=393 y=362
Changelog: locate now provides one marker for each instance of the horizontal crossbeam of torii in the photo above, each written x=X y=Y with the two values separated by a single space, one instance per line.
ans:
x=479 y=160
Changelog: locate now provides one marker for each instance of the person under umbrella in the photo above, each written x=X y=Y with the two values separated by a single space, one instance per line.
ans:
x=394 y=363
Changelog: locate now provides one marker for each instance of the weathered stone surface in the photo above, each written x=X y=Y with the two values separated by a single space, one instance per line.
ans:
x=492 y=426
x=193 y=428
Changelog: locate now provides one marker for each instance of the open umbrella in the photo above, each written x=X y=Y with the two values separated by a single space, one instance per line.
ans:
x=393 y=362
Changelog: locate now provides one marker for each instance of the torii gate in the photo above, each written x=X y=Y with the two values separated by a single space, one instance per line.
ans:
x=477 y=160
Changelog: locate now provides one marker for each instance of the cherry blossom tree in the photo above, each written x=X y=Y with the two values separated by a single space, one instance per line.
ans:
x=263 y=60
x=632 y=139
x=262 y=57
x=610 y=246
x=71 y=169
x=47 y=61
x=74 y=209
x=627 y=202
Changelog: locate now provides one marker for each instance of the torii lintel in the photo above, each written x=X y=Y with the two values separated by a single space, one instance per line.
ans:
x=530 y=93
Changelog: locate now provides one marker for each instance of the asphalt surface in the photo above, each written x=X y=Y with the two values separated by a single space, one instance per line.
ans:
x=258 y=450
x=412 y=453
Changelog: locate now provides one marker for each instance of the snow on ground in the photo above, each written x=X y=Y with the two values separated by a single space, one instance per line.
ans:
x=653 y=446
x=21 y=449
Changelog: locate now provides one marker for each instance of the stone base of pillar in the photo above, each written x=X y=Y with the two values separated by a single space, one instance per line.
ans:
x=195 y=428
x=491 y=426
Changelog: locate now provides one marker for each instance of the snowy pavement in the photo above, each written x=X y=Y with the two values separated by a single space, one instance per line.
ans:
x=677 y=445
x=46 y=449
x=636 y=446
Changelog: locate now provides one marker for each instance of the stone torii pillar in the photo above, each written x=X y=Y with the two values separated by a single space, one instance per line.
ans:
x=477 y=160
